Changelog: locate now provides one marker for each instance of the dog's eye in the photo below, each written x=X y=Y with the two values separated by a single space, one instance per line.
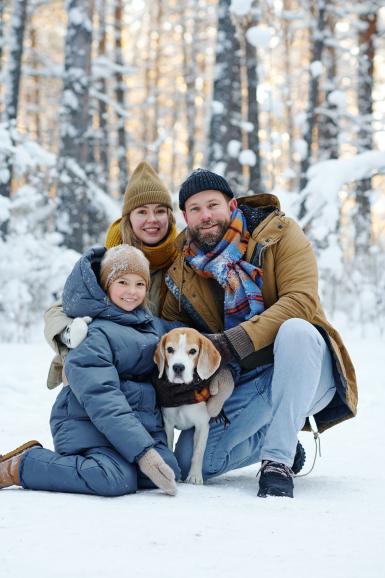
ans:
x=170 y=349
x=192 y=351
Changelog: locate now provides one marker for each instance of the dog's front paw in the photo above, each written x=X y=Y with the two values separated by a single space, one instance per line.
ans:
x=194 y=478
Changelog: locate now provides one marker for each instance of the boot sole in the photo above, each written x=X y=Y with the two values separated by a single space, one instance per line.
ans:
x=275 y=493
x=20 y=450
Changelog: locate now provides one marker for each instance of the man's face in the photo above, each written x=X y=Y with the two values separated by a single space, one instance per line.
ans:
x=207 y=215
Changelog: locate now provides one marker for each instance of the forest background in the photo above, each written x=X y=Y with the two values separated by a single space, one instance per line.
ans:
x=280 y=96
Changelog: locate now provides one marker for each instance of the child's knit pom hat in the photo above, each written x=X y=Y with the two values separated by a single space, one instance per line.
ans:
x=120 y=260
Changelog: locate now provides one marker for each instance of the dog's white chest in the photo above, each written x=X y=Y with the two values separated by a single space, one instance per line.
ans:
x=186 y=416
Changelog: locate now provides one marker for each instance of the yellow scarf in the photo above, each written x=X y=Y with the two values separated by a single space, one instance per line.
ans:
x=163 y=255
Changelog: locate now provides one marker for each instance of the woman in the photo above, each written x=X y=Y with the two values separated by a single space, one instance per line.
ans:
x=147 y=223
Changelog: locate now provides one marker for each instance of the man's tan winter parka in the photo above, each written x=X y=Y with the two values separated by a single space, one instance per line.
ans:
x=290 y=289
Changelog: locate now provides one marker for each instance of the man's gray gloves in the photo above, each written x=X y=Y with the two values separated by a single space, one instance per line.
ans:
x=233 y=345
x=76 y=332
x=155 y=468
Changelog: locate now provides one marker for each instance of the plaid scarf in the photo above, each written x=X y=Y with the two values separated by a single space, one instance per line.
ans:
x=241 y=281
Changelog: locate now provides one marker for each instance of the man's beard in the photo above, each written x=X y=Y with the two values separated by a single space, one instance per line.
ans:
x=208 y=241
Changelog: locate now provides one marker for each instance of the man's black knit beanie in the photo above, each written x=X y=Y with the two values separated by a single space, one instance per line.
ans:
x=203 y=180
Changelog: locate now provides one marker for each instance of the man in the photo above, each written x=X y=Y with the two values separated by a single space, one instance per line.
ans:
x=247 y=277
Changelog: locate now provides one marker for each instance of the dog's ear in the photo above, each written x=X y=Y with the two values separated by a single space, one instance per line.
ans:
x=159 y=356
x=209 y=358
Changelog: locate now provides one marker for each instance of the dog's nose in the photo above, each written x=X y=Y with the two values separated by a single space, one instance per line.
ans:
x=178 y=368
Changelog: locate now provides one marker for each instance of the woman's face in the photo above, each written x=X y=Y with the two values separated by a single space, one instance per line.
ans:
x=150 y=223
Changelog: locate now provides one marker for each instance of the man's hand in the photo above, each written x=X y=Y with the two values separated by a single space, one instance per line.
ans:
x=222 y=344
x=221 y=387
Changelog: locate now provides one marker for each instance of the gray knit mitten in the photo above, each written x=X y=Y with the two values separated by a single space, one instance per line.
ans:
x=155 y=468
x=221 y=387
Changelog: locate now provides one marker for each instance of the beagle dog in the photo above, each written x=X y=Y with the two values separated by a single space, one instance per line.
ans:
x=188 y=359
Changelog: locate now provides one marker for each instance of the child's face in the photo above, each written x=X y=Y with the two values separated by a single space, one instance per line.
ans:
x=128 y=291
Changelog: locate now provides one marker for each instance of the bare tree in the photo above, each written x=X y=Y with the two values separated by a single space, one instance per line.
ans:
x=318 y=42
x=190 y=49
x=79 y=218
x=251 y=63
x=225 y=138
x=103 y=137
x=12 y=87
x=2 y=41
x=367 y=32
x=120 y=95
x=328 y=113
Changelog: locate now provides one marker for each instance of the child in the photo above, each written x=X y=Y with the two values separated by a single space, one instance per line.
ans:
x=107 y=430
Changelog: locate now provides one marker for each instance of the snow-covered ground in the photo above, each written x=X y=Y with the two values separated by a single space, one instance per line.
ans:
x=333 y=528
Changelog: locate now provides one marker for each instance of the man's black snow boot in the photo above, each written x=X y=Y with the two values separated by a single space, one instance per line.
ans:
x=299 y=459
x=276 y=480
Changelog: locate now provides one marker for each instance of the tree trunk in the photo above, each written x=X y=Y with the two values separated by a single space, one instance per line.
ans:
x=366 y=38
x=190 y=74
x=120 y=94
x=76 y=219
x=328 y=115
x=2 y=41
x=102 y=105
x=317 y=49
x=225 y=125
x=35 y=97
x=12 y=87
x=251 y=55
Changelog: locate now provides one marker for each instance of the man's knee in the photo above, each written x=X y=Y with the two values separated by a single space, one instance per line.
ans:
x=297 y=333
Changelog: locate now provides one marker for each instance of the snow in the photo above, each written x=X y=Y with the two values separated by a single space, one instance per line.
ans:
x=260 y=36
x=326 y=178
x=247 y=157
x=240 y=7
x=334 y=527
x=300 y=147
x=217 y=107
x=338 y=98
x=316 y=68
x=233 y=148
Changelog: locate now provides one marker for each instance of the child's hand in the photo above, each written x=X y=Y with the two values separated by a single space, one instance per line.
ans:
x=155 y=468
x=76 y=332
